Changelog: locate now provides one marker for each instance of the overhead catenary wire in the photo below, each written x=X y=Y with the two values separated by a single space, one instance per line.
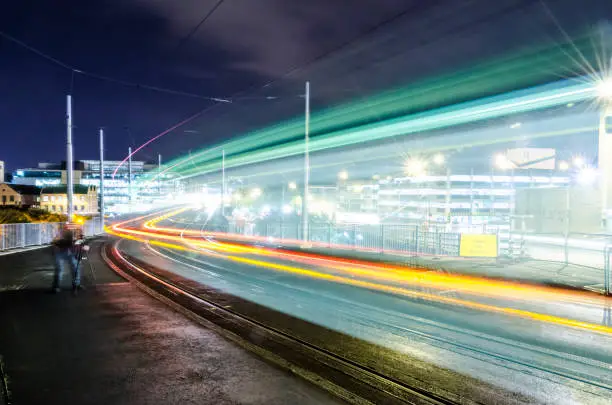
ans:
x=74 y=70
x=195 y=29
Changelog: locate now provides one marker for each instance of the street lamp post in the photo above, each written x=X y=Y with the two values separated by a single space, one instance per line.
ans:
x=69 y=164
x=130 y=177
x=306 y=164
x=102 y=210
x=605 y=147
x=223 y=189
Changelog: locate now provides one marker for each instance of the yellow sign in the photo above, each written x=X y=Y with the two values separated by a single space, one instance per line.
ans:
x=478 y=245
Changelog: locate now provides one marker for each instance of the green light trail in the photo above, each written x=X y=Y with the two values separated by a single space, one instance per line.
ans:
x=396 y=113
x=464 y=113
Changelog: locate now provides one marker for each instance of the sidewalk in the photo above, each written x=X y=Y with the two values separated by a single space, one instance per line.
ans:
x=113 y=344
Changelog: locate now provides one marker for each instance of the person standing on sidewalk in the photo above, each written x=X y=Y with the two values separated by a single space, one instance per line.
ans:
x=64 y=251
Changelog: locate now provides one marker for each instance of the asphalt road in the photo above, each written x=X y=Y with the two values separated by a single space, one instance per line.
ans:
x=541 y=361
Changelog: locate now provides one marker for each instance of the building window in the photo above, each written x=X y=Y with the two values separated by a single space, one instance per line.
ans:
x=82 y=208
x=46 y=198
x=82 y=198
x=52 y=198
x=53 y=208
x=76 y=207
x=11 y=198
x=61 y=208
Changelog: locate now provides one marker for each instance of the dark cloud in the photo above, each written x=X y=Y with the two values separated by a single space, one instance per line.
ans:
x=245 y=44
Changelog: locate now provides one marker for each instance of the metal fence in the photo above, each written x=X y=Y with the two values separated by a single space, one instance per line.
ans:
x=389 y=238
x=579 y=260
x=22 y=235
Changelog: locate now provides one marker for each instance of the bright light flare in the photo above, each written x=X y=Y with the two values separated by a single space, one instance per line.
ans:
x=587 y=176
x=256 y=192
x=578 y=161
x=502 y=162
x=343 y=175
x=439 y=159
x=604 y=89
x=415 y=167
x=265 y=210
x=563 y=165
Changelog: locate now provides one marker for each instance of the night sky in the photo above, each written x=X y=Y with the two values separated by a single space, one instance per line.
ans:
x=255 y=52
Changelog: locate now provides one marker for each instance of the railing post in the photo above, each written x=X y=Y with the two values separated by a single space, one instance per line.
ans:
x=40 y=226
x=354 y=236
x=607 y=270
x=566 y=248
x=23 y=234
x=382 y=238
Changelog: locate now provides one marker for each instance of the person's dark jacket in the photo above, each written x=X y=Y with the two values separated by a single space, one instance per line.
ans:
x=65 y=241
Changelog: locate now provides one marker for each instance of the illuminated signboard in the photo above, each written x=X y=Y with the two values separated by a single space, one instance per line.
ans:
x=478 y=245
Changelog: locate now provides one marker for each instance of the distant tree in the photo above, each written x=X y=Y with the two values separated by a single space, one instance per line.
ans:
x=17 y=215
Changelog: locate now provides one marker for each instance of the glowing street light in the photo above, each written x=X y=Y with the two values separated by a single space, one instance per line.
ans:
x=292 y=185
x=415 y=167
x=578 y=161
x=563 y=165
x=343 y=175
x=604 y=89
x=439 y=159
x=502 y=162
x=587 y=176
x=256 y=192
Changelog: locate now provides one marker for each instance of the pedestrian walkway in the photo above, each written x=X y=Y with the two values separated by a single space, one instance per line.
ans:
x=113 y=344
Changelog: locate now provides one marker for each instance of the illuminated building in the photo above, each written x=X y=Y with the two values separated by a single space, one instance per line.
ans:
x=87 y=173
x=462 y=199
x=55 y=199
x=19 y=195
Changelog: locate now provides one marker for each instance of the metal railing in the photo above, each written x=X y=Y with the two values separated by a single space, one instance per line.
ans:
x=578 y=260
x=13 y=236
x=383 y=238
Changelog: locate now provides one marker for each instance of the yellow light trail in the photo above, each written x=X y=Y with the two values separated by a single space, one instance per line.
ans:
x=551 y=319
x=405 y=275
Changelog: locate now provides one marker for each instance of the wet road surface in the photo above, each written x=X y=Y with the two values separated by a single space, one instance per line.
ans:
x=539 y=361
x=113 y=344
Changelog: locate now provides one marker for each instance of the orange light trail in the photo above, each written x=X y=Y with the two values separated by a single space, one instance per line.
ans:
x=551 y=319
x=481 y=286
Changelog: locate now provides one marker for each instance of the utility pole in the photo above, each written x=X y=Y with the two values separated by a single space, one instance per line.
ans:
x=102 y=177
x=306 y=163
x=159 y=174
x=69 y=164
x=223 y=190
x=130 y=176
